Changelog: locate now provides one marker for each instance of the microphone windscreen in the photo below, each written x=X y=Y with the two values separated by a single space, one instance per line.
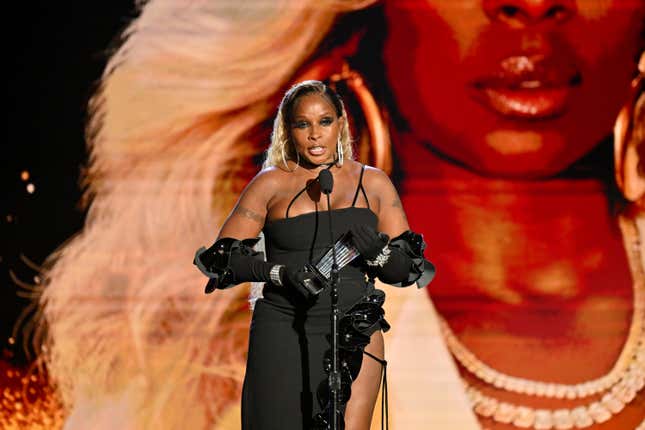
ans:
x=326 y=181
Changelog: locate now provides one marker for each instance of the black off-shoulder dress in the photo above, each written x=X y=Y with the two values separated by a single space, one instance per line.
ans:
x=285 y=386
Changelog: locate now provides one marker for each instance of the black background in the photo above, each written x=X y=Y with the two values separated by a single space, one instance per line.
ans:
x=54 y=54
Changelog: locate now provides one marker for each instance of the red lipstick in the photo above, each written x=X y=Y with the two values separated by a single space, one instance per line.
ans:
x=527 y=87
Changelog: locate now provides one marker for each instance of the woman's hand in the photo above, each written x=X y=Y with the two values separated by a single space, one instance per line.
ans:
x=369 y=242
x=306 y=283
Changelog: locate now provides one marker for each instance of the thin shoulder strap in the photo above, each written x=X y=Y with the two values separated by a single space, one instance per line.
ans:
x=294 y=199
x=360 y=188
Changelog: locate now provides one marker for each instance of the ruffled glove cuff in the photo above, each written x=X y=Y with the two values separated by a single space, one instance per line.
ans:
x=412 y=245
x=216 y=261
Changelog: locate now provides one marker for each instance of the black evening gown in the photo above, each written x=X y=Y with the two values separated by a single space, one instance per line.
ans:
x=285 y=385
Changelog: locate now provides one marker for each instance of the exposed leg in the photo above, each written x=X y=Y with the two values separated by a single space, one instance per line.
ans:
x=358 y=414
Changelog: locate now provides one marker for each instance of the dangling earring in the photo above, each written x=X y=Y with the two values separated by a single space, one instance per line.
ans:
x=629 y=159
x=339 y=152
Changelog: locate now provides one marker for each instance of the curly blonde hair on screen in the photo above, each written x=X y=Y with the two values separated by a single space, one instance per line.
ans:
x=282 y=148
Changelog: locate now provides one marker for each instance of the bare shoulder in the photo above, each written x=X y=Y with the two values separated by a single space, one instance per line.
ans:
x=249 y=214
x=392 y=218
x=265 y=180
x=268 y=176
x=376 y=177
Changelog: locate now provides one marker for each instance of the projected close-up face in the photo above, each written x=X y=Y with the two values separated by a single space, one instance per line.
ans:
x=512 y=88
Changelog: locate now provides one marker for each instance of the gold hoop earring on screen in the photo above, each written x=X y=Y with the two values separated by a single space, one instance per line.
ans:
x=629 y=142
x=379 y=146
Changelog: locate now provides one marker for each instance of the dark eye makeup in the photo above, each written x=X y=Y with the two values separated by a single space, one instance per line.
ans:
x=325 y=122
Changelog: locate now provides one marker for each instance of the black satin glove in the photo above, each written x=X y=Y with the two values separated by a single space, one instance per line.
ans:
x=230 y=261
x=404 y=264
x=368 y=241
x=305 y=283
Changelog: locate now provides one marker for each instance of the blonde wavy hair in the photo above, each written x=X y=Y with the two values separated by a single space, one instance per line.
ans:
x=282 y=148
x=129 y=339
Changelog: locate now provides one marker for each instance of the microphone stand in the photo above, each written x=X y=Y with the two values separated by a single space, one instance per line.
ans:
x=326 y=182
x=334 y=375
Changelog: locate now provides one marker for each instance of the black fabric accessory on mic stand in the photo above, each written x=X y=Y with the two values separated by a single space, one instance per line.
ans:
x=326 y=181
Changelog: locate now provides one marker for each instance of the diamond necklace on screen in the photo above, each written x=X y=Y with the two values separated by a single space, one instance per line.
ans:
x=620 y=385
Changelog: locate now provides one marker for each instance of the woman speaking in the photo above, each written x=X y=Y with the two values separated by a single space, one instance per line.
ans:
x=285 y=386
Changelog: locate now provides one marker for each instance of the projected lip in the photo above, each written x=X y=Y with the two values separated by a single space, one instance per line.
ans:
x=527 y=87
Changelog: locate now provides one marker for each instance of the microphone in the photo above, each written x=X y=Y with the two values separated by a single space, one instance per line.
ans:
x=326 y=181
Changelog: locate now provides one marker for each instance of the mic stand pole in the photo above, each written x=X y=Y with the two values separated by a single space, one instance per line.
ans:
x=334 y=375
